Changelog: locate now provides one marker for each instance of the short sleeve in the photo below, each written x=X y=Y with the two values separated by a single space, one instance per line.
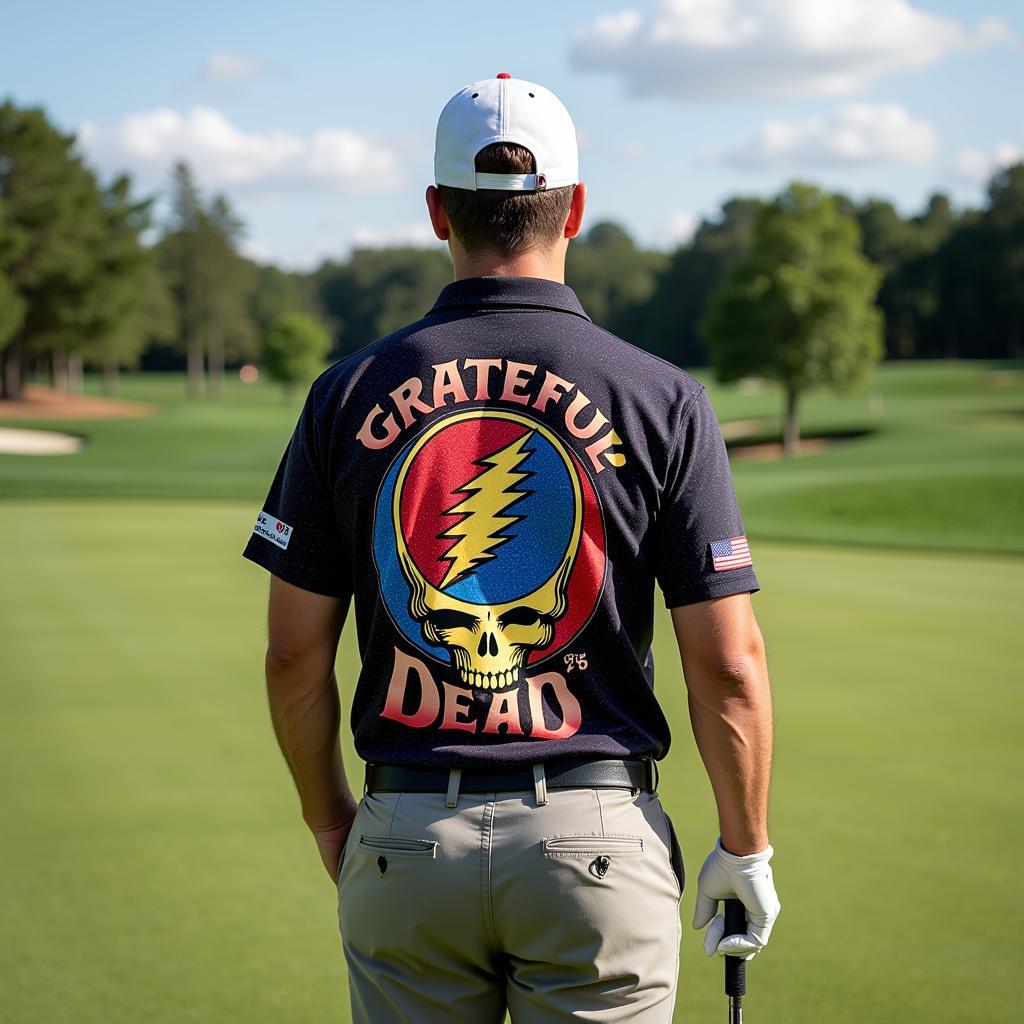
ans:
x=296 y=534
x=701 y=549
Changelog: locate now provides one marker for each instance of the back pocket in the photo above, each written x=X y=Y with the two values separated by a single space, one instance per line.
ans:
x=592 y=846
x=398 y=847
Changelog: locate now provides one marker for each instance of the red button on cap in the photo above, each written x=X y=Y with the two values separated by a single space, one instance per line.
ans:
x=504 y=74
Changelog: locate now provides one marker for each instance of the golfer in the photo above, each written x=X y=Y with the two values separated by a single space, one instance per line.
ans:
x=498 y=487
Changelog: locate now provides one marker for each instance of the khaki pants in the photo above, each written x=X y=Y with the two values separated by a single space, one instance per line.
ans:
x=561 y=911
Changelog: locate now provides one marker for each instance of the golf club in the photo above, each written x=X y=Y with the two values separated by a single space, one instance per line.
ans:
x=735 y=967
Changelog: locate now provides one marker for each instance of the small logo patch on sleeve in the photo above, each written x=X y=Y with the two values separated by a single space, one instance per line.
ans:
x=272 y=529
x=730 y=553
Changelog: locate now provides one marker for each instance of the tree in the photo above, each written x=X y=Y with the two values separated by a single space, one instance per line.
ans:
x=905 y=251
x=294 y=350
x=979 y=271
x=276 y=292
x=209 y=279
x=800 y=308
x=12 y=306
x=611 y=276
x=54 y=225
x=186 y=269
x=230 y=331
x=123 y=283
x=152 y=318
x=379 y=290
x=1004 y=224
x=668 y=324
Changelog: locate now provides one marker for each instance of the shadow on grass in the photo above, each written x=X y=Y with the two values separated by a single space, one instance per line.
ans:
x=763 y=446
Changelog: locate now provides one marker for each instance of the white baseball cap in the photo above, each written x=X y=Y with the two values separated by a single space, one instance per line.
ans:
x=505 y=109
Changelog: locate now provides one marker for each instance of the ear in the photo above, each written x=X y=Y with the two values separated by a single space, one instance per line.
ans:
x=574 y=221
x=438 y=217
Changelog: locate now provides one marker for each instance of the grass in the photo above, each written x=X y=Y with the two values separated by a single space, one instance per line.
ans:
x=155 y=866
x=219 y=450
x=944 y=468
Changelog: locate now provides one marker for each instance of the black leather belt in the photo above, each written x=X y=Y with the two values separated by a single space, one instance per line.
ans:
x=600 y=773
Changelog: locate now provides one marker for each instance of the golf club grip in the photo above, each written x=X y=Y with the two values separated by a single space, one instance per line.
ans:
x=735 y=968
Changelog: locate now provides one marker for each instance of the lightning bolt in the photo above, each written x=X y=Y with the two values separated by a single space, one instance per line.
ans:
x=488 y=496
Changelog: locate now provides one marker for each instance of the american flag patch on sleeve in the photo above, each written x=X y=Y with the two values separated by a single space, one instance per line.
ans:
x=733 y=553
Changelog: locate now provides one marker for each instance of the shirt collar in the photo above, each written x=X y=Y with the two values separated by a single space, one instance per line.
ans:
x=509 y=292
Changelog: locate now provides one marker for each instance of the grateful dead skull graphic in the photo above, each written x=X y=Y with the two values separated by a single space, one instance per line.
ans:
x=489 y=544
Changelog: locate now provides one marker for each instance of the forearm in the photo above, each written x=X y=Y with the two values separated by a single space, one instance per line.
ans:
x=306 y=714
x=731 y=715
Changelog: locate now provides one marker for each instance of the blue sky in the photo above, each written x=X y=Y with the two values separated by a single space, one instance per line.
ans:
x=317 y=119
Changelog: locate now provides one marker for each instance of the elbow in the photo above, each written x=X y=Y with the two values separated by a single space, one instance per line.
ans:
x=282 y=659
x=743 y=666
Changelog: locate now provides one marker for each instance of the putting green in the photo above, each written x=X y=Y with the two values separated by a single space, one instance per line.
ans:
x=155 y=867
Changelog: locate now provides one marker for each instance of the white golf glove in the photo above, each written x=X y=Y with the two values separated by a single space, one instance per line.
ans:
x=747 y=879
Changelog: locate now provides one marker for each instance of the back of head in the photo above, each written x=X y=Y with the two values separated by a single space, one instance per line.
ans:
x=506 y=163
x=504 y=222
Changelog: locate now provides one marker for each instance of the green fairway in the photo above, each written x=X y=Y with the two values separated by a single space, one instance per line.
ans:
x=155 y=867
x=942 y=469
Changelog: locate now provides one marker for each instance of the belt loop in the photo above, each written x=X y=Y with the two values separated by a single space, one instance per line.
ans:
x=540 y=784
x=652 y=774
x=454 y=778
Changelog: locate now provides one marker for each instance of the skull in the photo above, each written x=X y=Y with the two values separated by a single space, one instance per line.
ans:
x=488 y=644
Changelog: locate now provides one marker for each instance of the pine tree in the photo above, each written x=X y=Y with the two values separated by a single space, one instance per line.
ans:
x=112 y=335
x=53 y=210
x=209 y=279
x=12 y=306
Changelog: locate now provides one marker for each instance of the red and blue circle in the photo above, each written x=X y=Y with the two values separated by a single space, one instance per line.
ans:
x=490 y=504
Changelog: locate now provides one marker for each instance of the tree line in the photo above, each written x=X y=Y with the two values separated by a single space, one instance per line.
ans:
x=91 y=276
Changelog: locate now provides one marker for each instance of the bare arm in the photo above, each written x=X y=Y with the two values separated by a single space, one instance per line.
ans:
x=303 y=633
x=723 y=657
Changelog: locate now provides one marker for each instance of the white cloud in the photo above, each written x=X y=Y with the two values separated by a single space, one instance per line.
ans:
x=258 y=252
x=417 y=233
x=295 y=255
x=976 y=166
x=851 y=135
x=330 y=241
x=226 y=156
x=224 y=66
x=670 y=230
x=758 y=49
x=679 y=228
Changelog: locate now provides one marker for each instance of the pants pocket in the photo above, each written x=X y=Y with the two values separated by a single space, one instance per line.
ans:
x=595 y=855
x=386 y=879
x=593 y=845
x=398 y=846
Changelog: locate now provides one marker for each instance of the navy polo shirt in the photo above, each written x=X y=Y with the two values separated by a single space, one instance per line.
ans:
x=498 y=487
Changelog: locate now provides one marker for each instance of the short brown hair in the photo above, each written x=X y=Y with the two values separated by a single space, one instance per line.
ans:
x=508 y=223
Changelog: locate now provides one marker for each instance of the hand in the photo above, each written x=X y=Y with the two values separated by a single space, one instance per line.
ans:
x=748 y=879
x=331 y=839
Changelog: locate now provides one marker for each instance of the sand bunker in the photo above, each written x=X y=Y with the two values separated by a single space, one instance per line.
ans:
x=14 y=441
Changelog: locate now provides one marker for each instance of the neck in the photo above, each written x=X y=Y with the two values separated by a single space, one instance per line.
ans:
x=549 y=264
